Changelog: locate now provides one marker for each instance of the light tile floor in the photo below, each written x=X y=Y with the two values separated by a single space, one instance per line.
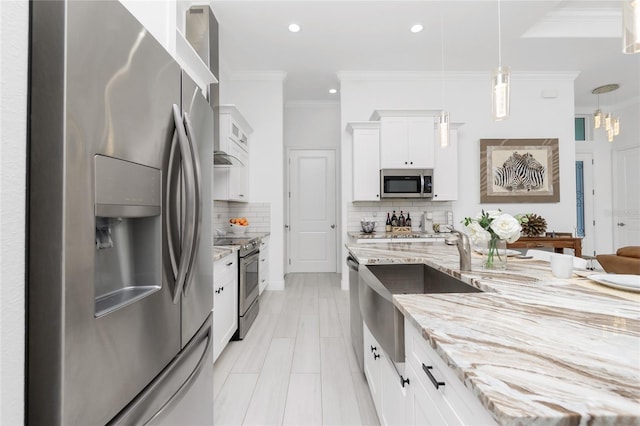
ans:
x=296 y=365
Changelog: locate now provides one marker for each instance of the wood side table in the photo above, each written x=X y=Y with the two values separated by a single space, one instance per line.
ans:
x=558 y=244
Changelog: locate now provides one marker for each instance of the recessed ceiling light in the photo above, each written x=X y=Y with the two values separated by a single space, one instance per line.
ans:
x=294 y=28
x=332 y=91
x=416 y=28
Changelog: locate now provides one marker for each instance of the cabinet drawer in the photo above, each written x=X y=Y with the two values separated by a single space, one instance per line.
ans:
x=457 y=404
x=226 y=268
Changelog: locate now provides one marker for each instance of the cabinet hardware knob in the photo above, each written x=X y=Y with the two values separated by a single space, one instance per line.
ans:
x=404 y=381
x=621 y=224
x=411 y=162
x=373 y=348
x=333 y=226
x=427 y=369
x=405 y=162
x=376 y=356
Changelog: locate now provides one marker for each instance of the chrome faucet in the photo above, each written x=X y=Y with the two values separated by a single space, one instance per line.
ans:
x=464 y=248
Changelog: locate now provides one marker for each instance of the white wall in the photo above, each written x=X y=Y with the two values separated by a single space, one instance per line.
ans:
x=313 y=125
x=13 y=104
x=603 y=153
x=259 y=98
x=468 y=101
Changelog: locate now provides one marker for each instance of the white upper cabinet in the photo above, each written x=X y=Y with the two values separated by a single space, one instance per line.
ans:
x=406 y=138
x=445 y=170
x=366 y=160
x=232 y=183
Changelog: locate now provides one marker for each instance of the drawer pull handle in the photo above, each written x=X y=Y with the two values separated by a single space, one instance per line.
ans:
x=404 y=381
x=218 y=291
x=230 y=263
x=436 y=383
x=376 y=356
x=373 y=348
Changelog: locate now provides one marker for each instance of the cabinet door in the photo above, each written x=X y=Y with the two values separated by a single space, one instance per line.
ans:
x=366 y=165
x=225 y=302
x=420 y=142
x=238 y=179
x=263 y=269
x=421 y=410
x=372 y=361
x=445 y=170
x=393 y=143
x=394 y=396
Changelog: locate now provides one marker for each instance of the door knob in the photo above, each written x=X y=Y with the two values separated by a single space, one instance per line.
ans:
x=333 y=227
x=621 y=224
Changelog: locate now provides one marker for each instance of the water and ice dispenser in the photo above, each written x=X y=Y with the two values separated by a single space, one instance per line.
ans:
x=128 y=233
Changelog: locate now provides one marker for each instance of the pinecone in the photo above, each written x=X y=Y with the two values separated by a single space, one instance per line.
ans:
x=534 y=226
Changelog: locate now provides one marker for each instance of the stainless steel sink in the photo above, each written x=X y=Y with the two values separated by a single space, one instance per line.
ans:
x=378 y=284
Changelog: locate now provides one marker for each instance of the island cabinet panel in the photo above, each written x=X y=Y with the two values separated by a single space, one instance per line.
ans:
x=454 y=402
x=225 y=301
x=389 y=396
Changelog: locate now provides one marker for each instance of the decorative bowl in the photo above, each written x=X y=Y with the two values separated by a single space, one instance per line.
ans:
x=368 y=226
x=238 y=229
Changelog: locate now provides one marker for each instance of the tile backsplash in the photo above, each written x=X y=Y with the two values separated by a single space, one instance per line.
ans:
x=258 y=215
x=377 y=210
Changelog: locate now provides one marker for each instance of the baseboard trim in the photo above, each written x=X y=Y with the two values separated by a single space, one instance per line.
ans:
x=276 y=285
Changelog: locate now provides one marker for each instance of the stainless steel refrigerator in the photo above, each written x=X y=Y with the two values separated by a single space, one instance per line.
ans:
x=119 y=287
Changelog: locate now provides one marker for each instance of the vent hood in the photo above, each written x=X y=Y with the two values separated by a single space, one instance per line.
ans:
x=222 y=159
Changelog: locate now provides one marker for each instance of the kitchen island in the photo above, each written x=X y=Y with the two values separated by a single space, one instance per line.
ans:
x=534 y=349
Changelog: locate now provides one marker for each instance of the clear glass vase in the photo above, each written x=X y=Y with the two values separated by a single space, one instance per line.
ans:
x=495 y=254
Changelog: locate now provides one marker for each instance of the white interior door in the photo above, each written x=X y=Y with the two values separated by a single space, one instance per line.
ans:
x=312 y=205
x=626 y=198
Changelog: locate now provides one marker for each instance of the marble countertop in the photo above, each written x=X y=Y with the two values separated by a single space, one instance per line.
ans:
x=535 y=349
x=392 y=235
x=221 y=251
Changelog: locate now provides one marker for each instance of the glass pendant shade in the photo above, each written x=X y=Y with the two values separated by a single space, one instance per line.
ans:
x=500 y=93
x=443 y=129
x=616 y=126
x=597 y=119
x=607 y=121
x=631 y=26
x=610 y=135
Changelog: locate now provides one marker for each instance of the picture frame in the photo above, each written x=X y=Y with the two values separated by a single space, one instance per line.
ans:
x=519 y=171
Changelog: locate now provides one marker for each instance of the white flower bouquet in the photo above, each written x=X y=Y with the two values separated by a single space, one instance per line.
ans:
x=495 y=229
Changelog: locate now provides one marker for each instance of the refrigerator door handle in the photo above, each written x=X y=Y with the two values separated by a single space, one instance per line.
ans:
x=169 y=221
x=197 y=201
x=190 y=219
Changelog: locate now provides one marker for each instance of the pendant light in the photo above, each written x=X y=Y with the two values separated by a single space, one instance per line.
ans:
x=606 y=120
x=630 y=26
x=443 y=119
x=500 y=82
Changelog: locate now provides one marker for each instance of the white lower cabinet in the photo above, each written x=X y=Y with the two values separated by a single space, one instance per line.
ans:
x=389 y=396
x=225 y=301
x=263 y=269
x=436 y=394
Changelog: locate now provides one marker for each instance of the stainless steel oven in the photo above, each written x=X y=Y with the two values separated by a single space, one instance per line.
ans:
x=248 y=304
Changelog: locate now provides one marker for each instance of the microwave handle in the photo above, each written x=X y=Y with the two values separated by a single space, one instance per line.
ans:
x=421 y=185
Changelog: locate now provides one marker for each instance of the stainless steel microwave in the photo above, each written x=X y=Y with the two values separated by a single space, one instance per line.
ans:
x=406 y=183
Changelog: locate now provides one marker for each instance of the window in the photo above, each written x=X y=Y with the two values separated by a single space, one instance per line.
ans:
x=582 y=128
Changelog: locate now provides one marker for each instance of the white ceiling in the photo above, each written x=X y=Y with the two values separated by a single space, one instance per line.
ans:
x=537 y=35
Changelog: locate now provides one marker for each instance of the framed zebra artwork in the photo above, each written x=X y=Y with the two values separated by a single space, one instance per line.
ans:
x=519 y=171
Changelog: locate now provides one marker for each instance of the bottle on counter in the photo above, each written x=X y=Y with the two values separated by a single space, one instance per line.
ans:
x=408 y=221
x=387 y=226
x=394 y=219
x=401 y=219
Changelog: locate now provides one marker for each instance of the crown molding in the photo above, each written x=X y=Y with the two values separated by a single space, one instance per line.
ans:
x=451 y=75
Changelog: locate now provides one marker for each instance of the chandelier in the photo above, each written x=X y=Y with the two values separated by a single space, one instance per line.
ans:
x=606 y=120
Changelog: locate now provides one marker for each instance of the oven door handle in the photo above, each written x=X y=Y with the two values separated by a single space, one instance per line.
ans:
x=250 y=257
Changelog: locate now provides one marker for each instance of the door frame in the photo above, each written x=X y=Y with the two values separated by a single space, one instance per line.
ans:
x=287 y=205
